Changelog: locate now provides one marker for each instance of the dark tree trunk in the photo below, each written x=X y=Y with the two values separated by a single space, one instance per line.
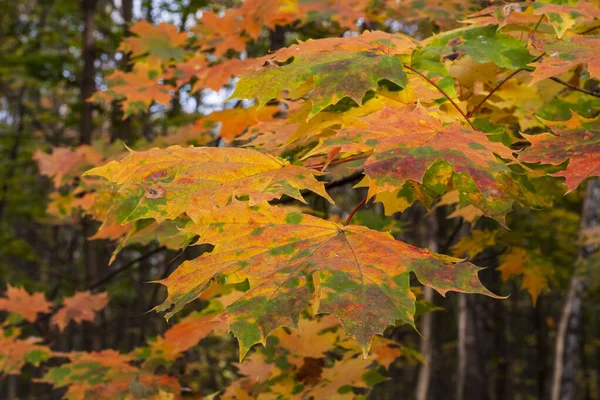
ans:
x=570 y=331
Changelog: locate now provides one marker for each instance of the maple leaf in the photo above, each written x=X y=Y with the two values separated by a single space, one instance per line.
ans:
x=407 y=143
x=219 y=75
x=205 y=76
x=562 y=17
x=17 y=352
x=564 y=54
x=312 y=339
x=352 y=371
x=327 y=70
x=577 y=140
x=345 y=12
x=80 y=307
x=19 y=301
x=532 y=266
x=63 y=163
x=179 y=338
x=476 y=243
x=107 y=375
x=140 y=87
x=163 y=184
x=444 y=13
x=482 y=44
x=235 y=121
x=162 y=42
x=221 y=33
x=267 y=13
x=279 y=251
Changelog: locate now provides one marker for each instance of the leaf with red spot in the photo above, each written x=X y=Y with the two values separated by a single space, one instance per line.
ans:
x=279 y=252
x=576 y=140
x=164 y=183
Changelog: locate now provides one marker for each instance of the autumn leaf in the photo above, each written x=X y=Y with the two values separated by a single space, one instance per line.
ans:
x=63 y=164
x=235 y=121
x=532 y=266
x=351 y=371
x=280 y=251
x=312 y=338
x=562 y=55
x=445 y=14
x=482 y=44
x=140 y=88
x=163 y=184
x=408 y=144
x=327 y=70
x=576 y=140
x=562 y=17
x=80 y=307
x=476 y=243
x=161 y=43
x=345 y=12
x=107 y=375
x=17 y=352
x=19 y=301
x=180 y=337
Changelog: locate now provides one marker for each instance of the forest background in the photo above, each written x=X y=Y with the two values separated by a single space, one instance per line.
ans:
x=86 y=82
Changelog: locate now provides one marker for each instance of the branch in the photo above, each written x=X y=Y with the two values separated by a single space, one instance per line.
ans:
x=354 y=178
x=442 y=92
x=118 y=271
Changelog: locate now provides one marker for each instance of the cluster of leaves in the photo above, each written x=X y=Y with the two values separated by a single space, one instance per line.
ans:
x=316 y=360
x=484 y=119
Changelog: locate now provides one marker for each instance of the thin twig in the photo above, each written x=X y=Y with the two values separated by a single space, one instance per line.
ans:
x=446 y=246
x=359 y=205
x=130 y=264
x=442 y=92
x=595 y=93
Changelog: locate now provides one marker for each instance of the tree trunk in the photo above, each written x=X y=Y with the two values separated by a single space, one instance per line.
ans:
x=567 y=350
x=426 y=344
x=87 y=88
x=87 y=77
x=463 y=321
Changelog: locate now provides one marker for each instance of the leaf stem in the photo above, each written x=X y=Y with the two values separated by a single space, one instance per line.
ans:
x=359 y=205
x=482 y=102
x=442 y=92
